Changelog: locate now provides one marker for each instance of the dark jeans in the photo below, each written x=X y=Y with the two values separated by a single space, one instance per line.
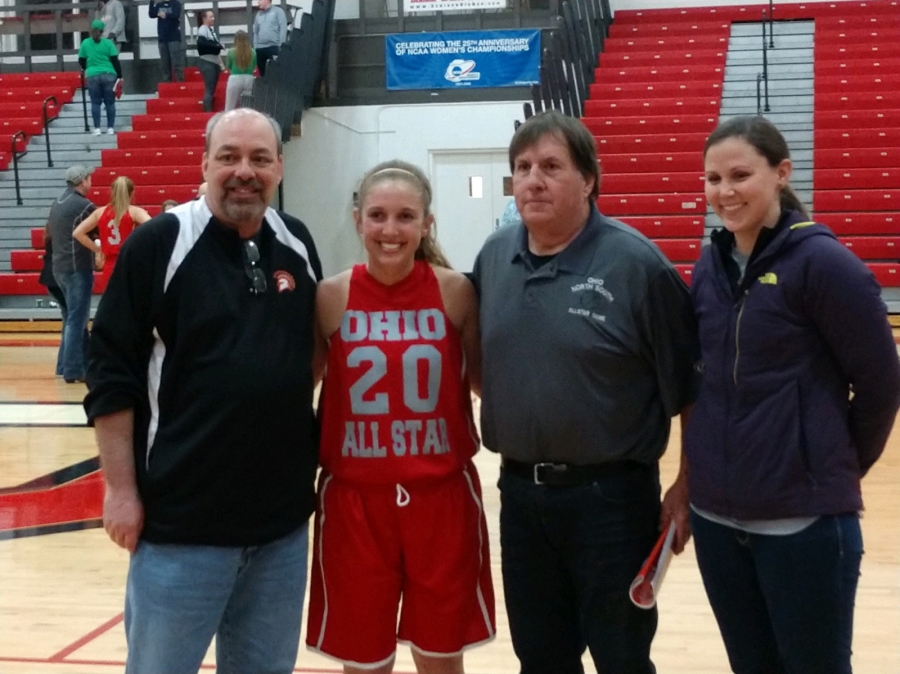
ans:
x=102 y=92
x=171 y=58
x=60 y=298
x=77 y=287
x=784 y=604
x=569 y=555
x=210 y=72
x=263 y=56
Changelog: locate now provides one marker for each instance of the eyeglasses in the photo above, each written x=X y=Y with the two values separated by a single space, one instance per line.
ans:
x=256 y=275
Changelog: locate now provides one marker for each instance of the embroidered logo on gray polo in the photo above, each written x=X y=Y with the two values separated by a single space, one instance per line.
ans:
x=593 y=298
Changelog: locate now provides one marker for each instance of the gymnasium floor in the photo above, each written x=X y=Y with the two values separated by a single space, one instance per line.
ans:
x=62 y=581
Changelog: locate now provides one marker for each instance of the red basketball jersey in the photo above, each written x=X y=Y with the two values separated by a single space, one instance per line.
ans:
x=396 y=404
x=111 y=234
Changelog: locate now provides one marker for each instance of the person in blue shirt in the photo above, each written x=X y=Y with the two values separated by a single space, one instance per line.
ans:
x=168 y=30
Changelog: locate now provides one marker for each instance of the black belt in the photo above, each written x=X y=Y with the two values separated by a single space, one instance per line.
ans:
x=567 y=474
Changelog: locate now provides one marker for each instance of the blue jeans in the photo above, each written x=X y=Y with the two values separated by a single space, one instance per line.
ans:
x=569 y=555
x=251 y=599
x=60 y=298
x=102 y=91
x=784 y=604
x=77 y=287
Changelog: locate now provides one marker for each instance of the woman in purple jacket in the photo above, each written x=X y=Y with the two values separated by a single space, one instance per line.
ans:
x=800 y=387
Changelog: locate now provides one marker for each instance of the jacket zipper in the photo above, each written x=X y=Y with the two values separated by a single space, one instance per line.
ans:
x=737 y=334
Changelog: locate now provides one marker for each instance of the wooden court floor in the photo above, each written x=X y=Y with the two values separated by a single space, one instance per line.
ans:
x=61 y=594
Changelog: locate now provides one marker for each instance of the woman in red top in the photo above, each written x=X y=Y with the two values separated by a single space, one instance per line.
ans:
x=400 y=512
x=114 y=222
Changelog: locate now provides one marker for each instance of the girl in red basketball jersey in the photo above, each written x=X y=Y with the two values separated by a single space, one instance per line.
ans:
x=400 y=518
x=114 y=222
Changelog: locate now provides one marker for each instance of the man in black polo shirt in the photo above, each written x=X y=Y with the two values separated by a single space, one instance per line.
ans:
x=588 y=345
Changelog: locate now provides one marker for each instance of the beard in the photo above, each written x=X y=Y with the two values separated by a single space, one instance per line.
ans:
x=244 y=210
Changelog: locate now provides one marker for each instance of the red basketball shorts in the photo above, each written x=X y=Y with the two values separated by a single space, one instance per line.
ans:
x=423 y=545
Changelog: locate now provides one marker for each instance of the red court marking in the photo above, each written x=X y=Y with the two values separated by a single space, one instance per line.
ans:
x=90 y=636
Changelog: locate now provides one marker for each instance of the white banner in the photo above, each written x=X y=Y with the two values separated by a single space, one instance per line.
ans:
x=411 y=6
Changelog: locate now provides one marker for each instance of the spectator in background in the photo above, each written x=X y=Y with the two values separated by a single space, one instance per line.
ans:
x=171 y=46
x=168 y=204
x=112 y=13
x=115 y=223
x=510 y=215
x=47 y=279
x=269 y=33
x=240 y=64
x=99 y=59
x=73 y=268
x=209 y=48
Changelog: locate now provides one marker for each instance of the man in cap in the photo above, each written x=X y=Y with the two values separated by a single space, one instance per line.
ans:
x=73 y=268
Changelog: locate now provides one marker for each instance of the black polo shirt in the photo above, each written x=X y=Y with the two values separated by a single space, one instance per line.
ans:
x=587 y=358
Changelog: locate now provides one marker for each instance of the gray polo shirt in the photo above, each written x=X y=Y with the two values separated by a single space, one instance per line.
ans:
x=65 y=214
x=586 y=359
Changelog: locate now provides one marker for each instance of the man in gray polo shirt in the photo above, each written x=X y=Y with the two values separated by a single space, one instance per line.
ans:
x=73 y=269
x=589 y=346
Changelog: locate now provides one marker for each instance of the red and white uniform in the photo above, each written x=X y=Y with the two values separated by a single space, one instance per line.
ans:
x=112 y=235
x=400 y=508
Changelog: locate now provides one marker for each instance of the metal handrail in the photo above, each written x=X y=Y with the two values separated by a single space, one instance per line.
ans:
x=47 y=121
x=771 y=25
x=765 y=71
x=87 y=128
x=15 y=156
x=759 y=109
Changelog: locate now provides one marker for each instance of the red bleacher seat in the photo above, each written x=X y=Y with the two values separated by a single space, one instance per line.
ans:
x=847 y=84
x=151 y=158
x=27 y=93
x=874 y=247
x=856 y=200
x=686 y=271
x=861 y=224
x=856 y=119
x=651 y=74
x=133 y=140
x=165 y=175
x=870 y=178
x=21 y=284
x=655 y=44
x=161 y=106
x=71 y=78
x=26 y=260
x=173 y=121
x=837 y=36
x=860 y=157
x=619 y=126
x=844 y=66
x=669 y=28
x=181 y=89
x=705 y=89
x=680 y=250
x=651 y=204
x=856 y=51
x=886 y=273
x=642 y=183
x=847 y=138
x=860 y=100
x=28 y=109
x=857 y=21
x=150 y=195
x=653 y=106
x=37 y=238
x=674 y=162
x=671 y=226
x=661 y=58
x=661 y=142
x=6 y=142
x=32 y=126
x=5 y=160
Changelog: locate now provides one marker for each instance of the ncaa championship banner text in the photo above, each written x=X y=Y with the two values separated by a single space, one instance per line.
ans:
x=438 y=5
x=495 y=58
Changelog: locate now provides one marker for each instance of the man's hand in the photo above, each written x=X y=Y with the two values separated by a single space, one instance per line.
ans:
x=676 y=507
x=123 y=517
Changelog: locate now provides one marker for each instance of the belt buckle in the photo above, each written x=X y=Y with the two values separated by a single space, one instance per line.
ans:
x=546 y=464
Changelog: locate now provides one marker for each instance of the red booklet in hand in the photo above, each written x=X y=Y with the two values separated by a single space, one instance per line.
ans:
x=645 y=587
x=118 y=89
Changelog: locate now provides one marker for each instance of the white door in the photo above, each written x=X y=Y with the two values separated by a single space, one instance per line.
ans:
x=468 y=201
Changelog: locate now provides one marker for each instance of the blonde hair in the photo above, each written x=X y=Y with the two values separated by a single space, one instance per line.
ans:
x=120 y=193
x=429 y=249
x=243 y=52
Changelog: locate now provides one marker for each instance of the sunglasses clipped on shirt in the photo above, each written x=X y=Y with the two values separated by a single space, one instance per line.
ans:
x=256 y=275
